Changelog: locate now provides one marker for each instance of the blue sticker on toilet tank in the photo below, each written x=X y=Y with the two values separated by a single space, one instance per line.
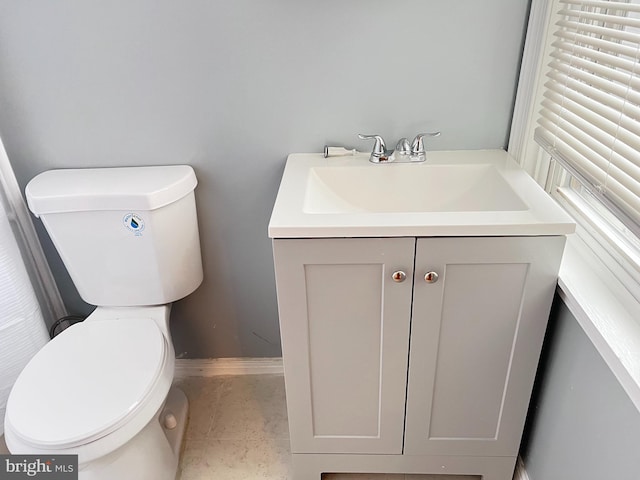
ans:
x=134 y=223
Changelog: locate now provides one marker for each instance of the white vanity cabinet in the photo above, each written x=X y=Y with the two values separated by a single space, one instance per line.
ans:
x=388 y=372
x=476 y=336
x=344 y=324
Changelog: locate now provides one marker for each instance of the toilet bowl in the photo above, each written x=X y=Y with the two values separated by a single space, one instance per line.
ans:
x=102 y=388
x=95 y=388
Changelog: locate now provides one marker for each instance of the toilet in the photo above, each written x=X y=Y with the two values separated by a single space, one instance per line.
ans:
x=101 y=389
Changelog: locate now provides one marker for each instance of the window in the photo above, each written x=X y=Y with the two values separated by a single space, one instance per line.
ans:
x=579 y=98
x=589 y=126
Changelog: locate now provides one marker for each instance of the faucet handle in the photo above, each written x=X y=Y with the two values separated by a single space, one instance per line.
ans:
x=379 y=147
x=417 y=146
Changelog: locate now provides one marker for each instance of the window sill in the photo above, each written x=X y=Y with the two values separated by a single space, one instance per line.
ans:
x=606 y=311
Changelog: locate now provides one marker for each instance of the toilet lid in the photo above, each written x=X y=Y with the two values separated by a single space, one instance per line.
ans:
x=87 y=382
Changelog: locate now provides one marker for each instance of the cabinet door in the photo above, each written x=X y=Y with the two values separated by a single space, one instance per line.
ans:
x=476 y=336
x=344 y=324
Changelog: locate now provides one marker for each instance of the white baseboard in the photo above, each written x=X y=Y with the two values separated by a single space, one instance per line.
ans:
x=211 y=367
x=520 y=473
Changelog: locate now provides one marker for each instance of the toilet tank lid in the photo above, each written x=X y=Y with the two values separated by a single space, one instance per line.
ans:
x=118 y=188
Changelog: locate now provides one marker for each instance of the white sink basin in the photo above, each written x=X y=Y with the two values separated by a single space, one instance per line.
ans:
x=406 y=188
x=457 y=193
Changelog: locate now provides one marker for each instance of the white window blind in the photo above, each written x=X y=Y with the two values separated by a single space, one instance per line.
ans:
x=590 y=118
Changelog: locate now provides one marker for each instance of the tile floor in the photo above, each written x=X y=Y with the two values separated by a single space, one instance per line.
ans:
x=237 y=428
x=238 y=431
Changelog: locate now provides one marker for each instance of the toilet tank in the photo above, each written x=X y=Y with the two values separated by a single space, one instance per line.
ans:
x=128 y=236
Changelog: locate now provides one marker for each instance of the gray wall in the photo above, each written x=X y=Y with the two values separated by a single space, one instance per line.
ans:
x=232 y=87
x=582 y=425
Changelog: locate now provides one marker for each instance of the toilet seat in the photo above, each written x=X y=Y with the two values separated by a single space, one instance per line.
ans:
x=90 y=381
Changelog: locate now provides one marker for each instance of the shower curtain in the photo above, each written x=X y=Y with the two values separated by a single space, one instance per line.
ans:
x=27 y=291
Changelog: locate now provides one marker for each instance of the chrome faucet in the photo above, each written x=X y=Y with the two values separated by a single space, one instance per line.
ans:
x=404 y=152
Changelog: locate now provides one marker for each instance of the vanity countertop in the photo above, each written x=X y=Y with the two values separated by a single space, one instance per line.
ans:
x=453 y=193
